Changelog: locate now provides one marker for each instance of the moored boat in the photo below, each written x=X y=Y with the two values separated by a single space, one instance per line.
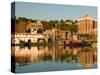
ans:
x=76 y=43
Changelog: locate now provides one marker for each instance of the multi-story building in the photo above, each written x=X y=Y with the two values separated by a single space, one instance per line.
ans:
x=33 y=27
x=37 y=25
x=28 y=26
x=86 y=25
x=20 y=27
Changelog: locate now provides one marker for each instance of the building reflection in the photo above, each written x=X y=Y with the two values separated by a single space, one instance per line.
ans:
x=55 y=54
x=87 y=57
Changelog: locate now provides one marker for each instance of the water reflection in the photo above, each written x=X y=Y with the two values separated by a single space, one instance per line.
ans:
x=85 y=56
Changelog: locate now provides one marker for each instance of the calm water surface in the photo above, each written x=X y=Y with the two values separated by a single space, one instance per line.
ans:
x=53 y=58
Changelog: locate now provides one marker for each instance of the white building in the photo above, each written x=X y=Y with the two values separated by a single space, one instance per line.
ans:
x=25 y=37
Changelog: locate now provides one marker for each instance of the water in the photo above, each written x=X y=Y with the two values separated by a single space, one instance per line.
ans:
x=53 y=58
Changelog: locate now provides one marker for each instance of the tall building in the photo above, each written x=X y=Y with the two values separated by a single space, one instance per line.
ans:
x=86 y=25
x=20 y=27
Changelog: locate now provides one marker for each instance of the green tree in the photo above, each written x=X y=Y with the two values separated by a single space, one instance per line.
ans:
x=73 y=28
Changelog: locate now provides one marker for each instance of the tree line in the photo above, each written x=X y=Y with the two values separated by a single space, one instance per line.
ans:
x=67 y=25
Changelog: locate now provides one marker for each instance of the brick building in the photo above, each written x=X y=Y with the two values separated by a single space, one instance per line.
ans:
x=86 y=25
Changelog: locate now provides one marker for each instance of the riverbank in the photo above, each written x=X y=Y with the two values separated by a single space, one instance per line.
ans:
x=36 y=44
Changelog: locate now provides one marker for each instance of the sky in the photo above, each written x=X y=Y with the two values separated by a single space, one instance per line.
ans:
x=43 y=11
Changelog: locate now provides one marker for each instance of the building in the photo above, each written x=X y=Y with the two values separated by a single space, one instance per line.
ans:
x=37 y=25
x=17 y=37
x=34 y=38
x=20 y=27
x=86 y=25
x=33 y=27
x=28 y=27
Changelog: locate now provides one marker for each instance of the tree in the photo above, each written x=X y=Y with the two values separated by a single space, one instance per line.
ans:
x=40 y=30
x=73 y=28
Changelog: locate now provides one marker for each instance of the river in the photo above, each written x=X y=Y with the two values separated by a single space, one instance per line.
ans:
x=53 y=58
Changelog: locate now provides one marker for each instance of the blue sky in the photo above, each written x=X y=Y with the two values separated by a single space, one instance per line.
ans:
x=44 y=11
